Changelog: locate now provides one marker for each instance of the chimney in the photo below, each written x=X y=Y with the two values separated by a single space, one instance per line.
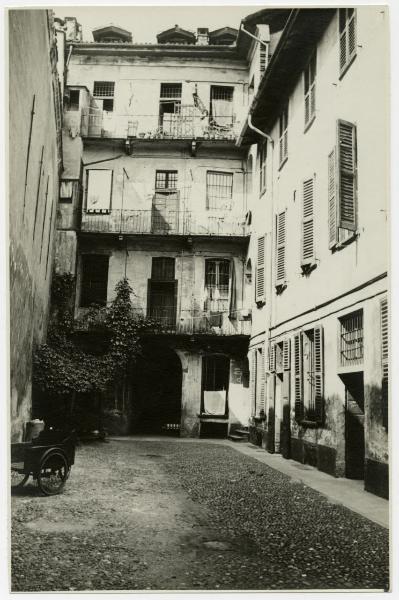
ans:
x=202 y=36
x=73 y=30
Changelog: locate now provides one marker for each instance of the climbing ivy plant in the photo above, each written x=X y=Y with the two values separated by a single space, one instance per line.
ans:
x=62 y=367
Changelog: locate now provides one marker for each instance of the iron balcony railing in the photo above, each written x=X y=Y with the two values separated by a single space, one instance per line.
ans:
x=103 y=124
x=166 y=222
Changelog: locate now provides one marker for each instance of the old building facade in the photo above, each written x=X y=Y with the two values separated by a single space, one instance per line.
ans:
x=318 y=134
x=155 y=190
x=35 y=165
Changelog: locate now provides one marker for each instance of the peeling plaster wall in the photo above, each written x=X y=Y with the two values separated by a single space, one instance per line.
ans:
x=31 y=227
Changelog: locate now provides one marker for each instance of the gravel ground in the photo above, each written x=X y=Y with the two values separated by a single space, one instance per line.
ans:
x=177 y=516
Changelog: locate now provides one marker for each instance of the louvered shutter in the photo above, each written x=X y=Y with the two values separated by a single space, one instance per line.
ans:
x=332 y=200
x=260 y=271
x=262 y=380
x=347 y=175
x=319 y=373
x=252 y=380
x=347 y=40
x=307 y=257
x=287 y=354
x=262 y=58
x=384 y=360
x=298 y=375
x=280 y=249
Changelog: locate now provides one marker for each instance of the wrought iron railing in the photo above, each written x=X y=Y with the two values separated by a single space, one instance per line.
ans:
x=167 y=222
x=170 y=126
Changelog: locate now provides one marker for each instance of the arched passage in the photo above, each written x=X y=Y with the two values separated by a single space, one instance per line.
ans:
x=157 y=385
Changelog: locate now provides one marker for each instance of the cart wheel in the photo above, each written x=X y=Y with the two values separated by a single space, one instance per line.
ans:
x=53 y=474
x=18 y=480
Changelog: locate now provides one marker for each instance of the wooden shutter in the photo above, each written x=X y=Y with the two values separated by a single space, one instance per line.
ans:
x=319 y=373
x=280 y=249
x=307 y=257
x=260 y=271
x=262 y=58
x=287 y=354
x=332 y=200
x=347 y=175
x=260 y=372
x=384 y=359
x=347 y=40
x=298 y=374
x=252 y=380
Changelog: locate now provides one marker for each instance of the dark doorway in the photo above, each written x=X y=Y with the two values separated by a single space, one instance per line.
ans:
x=157 y=391
x=354 y=425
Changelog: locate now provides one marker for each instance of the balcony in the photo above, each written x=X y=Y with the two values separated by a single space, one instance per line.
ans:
x=164 y=222
x=189 y=322
x=185 y=125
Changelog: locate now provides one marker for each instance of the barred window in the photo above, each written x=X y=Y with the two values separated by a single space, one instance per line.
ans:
x=104 y=89
x=171 y=90
x=219 y=190
x=351 y=339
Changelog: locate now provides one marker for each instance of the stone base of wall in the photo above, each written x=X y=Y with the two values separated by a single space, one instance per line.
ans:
x=322 y=457
x=376 y=478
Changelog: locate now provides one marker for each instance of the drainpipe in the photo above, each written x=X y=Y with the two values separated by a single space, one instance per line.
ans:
x=265 y=135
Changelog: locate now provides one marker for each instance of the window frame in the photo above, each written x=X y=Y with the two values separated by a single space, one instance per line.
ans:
x=84 y=259
x=263 y=167
x=283 y=136
x=104 y=211
x=309 y=394
x=209 y=197
x=309 y=89
x=344 y=39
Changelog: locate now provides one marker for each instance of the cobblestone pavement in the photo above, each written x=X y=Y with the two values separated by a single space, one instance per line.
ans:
x=171 y=516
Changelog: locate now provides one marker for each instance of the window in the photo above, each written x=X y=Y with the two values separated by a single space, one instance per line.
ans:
x=74 y=98
x=262 y=166
x=219 y=190
x=217 y=279
x=221 y=106
x=384 y=360
x=260 y=272
x=347 y=38
x=307 y=250
x=163 y=269
x=165 y=180
x=342 y=185
x=309 y=376
x=99 y=190
x=169 y=106
x=280 y=250
x=104 y=93
x=215 y=384
x=310 y=90
x=283 y=136
x=94 y=280
x=351 y=339
x=257 y=381
x=66 y=191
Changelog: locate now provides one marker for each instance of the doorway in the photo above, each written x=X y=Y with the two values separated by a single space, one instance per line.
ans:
x=157 y=391
x=354 y=425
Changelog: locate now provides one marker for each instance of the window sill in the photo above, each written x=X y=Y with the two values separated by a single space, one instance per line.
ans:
x=308 y=268
x=260 y=303
x=346 y=67
x=309 y=124
x=283 y=163
x=353 y=235
x=280 y=287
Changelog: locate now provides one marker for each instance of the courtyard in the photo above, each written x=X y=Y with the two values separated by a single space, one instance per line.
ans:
x=169 y=515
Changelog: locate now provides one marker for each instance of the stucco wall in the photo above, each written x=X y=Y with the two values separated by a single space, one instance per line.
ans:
x=32 y=211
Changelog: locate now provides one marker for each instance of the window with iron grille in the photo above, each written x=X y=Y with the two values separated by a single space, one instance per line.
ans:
x=221 y=106
x=262 y=166
x=94 y=279
x=166 y=180
x=219 y=190
x=163 y=269
x=104 y=93
x=351 y=339
x=347 y=37
x=309 y=79
x=171 y=91
x=283 y=136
